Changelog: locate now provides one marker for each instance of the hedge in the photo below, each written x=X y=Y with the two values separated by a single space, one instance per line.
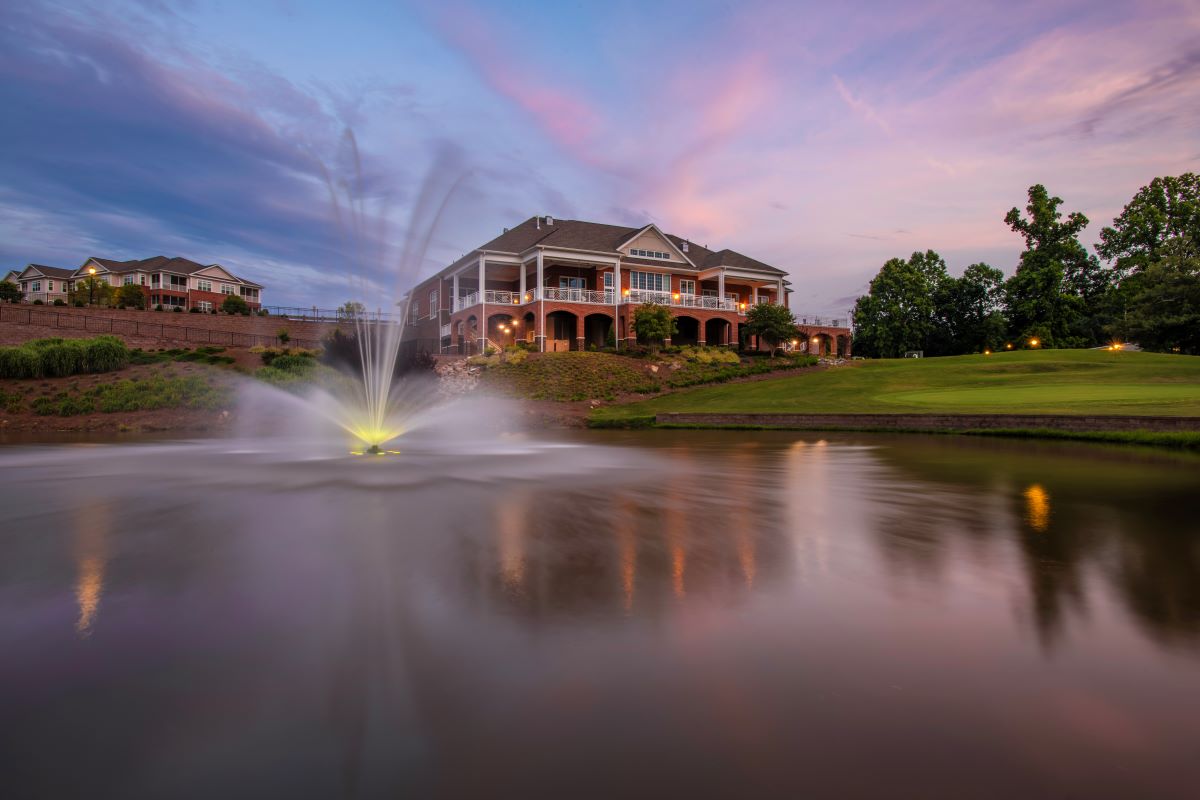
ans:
x=55 y=358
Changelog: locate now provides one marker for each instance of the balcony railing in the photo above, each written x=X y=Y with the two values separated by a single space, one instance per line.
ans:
x=564 y=295
x=823 y=322
x=444 y=331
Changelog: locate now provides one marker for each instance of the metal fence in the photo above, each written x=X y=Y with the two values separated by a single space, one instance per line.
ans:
x=144 y=329
x=314 y=314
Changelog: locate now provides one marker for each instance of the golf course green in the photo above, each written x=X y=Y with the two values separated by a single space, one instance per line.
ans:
x=1022 y=382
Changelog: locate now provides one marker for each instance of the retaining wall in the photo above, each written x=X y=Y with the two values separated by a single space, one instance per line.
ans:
x=938 y=422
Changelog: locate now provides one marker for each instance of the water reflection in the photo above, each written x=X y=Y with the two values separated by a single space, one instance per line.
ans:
x=92 y=523
x=1037 y=508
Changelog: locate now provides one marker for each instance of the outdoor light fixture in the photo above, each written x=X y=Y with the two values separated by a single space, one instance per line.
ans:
x=743 y=306
x=1008 y=346
x=625 y=292
x=92 y=286
x=795 y=342
x=987 y=352
x=815 y=340
x=677 y=295
x=1033 y=342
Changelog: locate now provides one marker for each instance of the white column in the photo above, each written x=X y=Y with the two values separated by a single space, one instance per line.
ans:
x=454 y=292
x=483 y=326
x=522 y=285
x=721 y=289
x=541 y=290
x=754 y=296
x=617 y=304
x=779 y=289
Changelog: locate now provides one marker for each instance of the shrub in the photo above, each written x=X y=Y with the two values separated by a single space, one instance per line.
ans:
x=178 y=309
x=79 y=304
x=39 y=302
x=131 y=296
x=156 y=308
x=193 y=310
x=63 y=358
x=58 y=301
x=283 y=336
x=235 y=305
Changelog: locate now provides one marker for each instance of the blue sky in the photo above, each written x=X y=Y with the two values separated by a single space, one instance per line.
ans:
x=822 y=140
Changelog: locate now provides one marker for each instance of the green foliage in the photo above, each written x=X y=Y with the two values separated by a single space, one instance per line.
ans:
x=898 y=312
x=93 y=290
x=653 y=323
x=352 y=309
x=569 y=376
x=1164 y=312
x=190 y=391
x=1160 y=219
x=11 y=402
x=283 y=336
x=58 y=301
x=235 y=305
x=10 y=292
x=775 y=324
x=61 y=357
x=131 y=296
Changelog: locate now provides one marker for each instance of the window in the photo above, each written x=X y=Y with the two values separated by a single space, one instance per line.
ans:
x=687 y=287
x=633 y=251
x=570 y=283
x=708 y=292
x=36 y=286
x=204 y=286
x=731 y=296
x=433 y=303
x=155 y=280
x=226 y=288
x=204 y=306
x=127 y=280
x=649 y=281
x=414 y=311
x=178 y=283
x=250 y=294
x=608 y=281
x=142 y=280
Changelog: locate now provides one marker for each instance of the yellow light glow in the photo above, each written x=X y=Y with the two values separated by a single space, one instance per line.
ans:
x=1037 y=507
x=815 y=339
x=91 y=270
x=987 y=352
x=795 y=342
x=1008 y=346
x=676 y=295
x=1033 y=342
x=743 y=306
x=625 y=292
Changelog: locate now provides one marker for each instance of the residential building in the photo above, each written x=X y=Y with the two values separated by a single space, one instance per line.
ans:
x=40 y=282
x=171 y=282
x=569 y=285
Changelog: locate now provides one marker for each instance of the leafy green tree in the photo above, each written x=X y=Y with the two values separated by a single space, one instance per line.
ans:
x=131 y=296
x=352 y=309
x=1057 y=292
x=1162 y=216
x=773 y=323
x=1164 y=311
x=93 y=290
x=653 y=323
x=898 y=312
x=10 y=292
x=235 y=305
x=973 y=314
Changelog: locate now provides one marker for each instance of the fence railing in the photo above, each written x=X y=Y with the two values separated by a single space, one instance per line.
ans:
x=142 y=329
x=330 y=314
x=565 y=295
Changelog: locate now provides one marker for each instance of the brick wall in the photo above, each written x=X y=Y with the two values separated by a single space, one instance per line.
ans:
x=142 y=328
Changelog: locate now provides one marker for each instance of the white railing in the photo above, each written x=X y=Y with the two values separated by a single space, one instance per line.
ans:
x=825 y=322
x=705 y=301
x=494 y=296
x=648 y=296
x=466 y=301
x=444 y=331
x=565 y=295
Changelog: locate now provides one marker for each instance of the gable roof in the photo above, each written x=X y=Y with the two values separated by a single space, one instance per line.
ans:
x=573 y=234
x=176 y=264
x=47 y=272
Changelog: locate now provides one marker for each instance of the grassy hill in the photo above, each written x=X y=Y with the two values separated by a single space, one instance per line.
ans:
x=1026 y=382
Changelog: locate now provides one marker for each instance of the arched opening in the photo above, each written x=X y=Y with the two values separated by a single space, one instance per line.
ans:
x=821 y=345
x=503 y=329
x=843 y=346
x=470 y=338
x=687 y=331
x=596 y=328
x=560 y=331
x=716 y=332
x=529 y=328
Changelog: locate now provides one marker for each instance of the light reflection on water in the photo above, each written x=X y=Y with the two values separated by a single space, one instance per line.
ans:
x=706 y=614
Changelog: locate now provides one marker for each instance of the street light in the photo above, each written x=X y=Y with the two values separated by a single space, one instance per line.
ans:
x=1033 y=342
x=91 y=286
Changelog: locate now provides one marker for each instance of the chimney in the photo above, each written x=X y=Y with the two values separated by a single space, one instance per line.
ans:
x=539 y=221
x=685 y=245
x=549 y=220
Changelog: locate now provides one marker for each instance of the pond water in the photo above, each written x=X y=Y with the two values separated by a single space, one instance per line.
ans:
x=658 y=614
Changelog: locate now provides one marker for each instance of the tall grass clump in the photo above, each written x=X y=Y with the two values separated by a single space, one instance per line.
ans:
x=56 y=358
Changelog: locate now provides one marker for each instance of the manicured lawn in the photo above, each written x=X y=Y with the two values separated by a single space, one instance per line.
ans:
x=1033 y=382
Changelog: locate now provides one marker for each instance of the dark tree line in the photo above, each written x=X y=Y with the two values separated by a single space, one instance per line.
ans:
x=1142 y=284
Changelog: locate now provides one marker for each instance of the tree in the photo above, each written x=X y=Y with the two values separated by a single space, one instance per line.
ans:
x=1057 y=291
x=897 y=313
x=972 y=314
x=653 y=323
x=235 y=305
x=351 y=309
x=771 y=322
x=93 y=290
x=10 y=292
x=1164 y=310
x=131 y=296
x=1161 y=216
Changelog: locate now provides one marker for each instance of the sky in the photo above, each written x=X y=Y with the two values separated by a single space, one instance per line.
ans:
x=334 y=150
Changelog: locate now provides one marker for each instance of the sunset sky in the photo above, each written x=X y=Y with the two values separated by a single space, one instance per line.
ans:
x=823 y=138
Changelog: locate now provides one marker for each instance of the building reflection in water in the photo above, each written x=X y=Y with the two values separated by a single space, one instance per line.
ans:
x=92 y=523
x=636 y=549
x=1037 y=507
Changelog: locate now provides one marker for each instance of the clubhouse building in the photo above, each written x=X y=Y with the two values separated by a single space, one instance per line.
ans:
x=570 y=285
x=169 y=282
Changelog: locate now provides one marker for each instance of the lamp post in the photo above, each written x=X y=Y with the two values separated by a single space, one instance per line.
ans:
x=91 y=286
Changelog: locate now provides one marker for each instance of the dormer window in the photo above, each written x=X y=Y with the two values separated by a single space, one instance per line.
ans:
x=634 y=251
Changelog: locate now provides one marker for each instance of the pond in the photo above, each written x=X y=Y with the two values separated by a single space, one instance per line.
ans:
x=654 y=614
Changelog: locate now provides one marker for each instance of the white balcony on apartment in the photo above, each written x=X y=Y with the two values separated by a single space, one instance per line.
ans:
x=603 y=298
